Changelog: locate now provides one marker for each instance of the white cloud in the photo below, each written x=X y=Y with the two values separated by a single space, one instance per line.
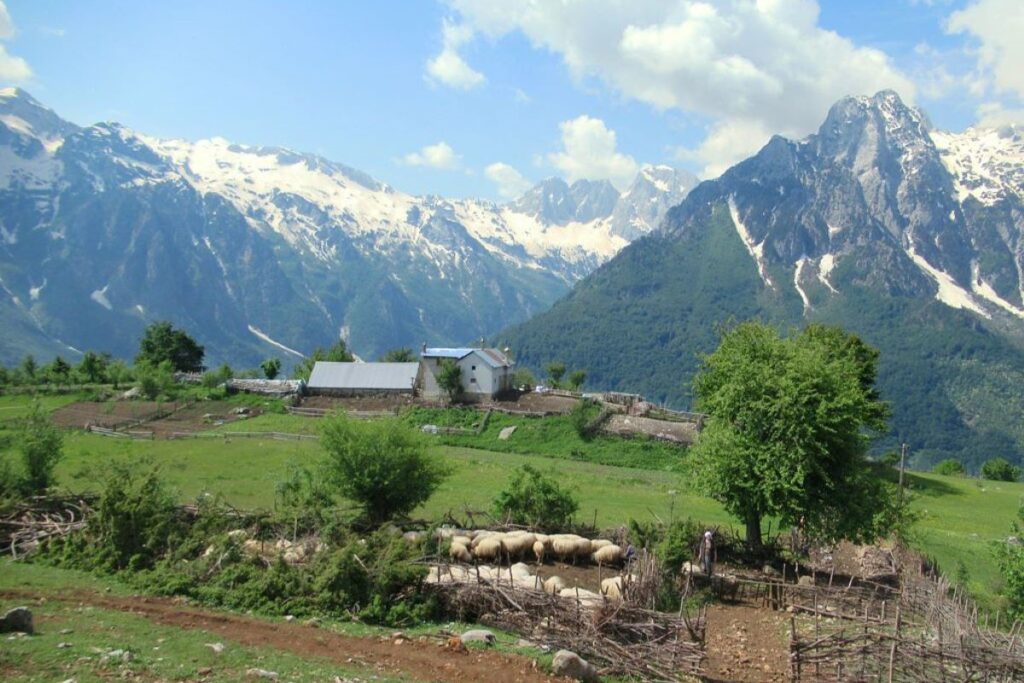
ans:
x=744 y=64
x=998 y=25
x=511 y=183
x=440 y=156
x=995 y=115
x=449 y=67
x=589 y=152
x=11 y=68
x=726 y=142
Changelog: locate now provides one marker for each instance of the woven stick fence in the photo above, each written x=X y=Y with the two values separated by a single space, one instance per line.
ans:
x=38 y=519
x=622 y=639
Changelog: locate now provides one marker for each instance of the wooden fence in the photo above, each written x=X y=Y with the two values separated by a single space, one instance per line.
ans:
x=274 y=436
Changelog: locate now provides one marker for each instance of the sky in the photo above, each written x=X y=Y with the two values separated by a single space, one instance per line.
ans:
x=483 y=98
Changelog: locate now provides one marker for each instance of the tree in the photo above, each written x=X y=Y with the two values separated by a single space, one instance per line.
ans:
x=788 y=429
x=271 y=367
x=380 y=465
x=402 y=355
x=93 y=367
x=949 y=467
x=154 y=380
x=28 y=368
x=556 y=371
x=449 y=378
x=118 y=373
x=338 y=353
x=1000 y=469
x=577 y=378
x=523 y=378
x=536 y=500
x=59 y=371
x=40 y=443
x=1009 y=556
x=162 y=342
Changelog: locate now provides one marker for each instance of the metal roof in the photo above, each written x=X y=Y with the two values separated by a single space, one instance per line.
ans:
x=457 y=354
x=327 y=375
x=493 y=357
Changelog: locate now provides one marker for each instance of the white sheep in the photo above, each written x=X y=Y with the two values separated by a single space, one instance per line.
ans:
x=599 y=543
x=585 y=597
x=569 y=546
x=554 y=584
x=570 y=664
x=462 y=540
x=488 y=548
x=414 y=537
x=538 y=551
x=459 y=552
x=517 y=543
x=612 y=588
x=608 y=554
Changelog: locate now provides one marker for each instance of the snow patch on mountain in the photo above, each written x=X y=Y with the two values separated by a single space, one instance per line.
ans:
x=825 y=266
x=100 y=297
x=985 y=291
x=265 y=337
x=949 y=293
x=986 y=163
x=756 y=251
x=797 y=274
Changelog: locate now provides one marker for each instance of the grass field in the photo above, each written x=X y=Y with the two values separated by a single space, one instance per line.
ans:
x=959 y=517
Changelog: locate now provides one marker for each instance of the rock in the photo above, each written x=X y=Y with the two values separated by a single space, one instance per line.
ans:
x=63 y=646
x=769 y=570
x=124 y=655
x=570 y=664
x=289 y=618
x=134 y=392
x=66 y=631
x=17 y=620
x=205 y=671
x=805 y=581
x=505 y=433
x=262 y=673
x=216 y=647
x=478 y=635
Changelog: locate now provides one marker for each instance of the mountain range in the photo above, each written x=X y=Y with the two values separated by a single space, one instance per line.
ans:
x=909 y=236
x=261 y=251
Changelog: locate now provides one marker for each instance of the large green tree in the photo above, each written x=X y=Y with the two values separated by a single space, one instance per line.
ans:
x=162 y=342
x=382 y=466
x=788 y=429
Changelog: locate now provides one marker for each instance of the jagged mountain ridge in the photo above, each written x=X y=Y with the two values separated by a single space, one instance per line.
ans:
x=908 y=236
x=257 y=250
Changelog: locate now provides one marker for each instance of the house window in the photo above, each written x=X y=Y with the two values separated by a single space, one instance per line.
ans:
x=472 y=367
x=472 y=380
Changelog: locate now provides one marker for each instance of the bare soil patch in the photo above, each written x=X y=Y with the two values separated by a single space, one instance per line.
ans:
x=149 y=416
x=746 y=644
x=109 y=414
x=419 y=659
x=628 y=425
x=359 y=403
x=199 y=417
x=540 y=403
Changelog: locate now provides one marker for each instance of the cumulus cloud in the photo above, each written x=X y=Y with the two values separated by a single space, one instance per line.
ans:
x=511 y=183
x=11 y=68
x=589 y=152
x=440 y=156
x=998 y=26
x=448 y=67
x=744 y=64
x=995 y=115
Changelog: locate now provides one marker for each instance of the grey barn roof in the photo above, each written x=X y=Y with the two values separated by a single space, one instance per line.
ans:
x=390 y=376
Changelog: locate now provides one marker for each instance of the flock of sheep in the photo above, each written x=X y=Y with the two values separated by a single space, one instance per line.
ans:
x=519 y=576
x=499 y=546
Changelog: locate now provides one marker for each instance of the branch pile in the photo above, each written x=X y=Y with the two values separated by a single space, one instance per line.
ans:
x=35 y=520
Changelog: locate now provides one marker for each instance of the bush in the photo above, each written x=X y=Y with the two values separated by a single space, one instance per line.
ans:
x=536 y=500
x=1009 y=555
x=40 y=443
x=1000 y=469
x=381 y=465
x=949 y=467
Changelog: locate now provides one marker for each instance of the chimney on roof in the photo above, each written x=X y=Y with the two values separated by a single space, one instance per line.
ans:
x=424 y=348
x=483 y=344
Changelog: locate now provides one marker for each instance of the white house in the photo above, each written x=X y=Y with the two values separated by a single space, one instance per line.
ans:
x=485 y=372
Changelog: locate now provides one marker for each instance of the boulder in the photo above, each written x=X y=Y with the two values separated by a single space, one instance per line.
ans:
x=17 y=620
x=478 y=635
x=570 y=664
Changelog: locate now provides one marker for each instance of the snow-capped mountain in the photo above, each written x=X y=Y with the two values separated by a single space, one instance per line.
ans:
x=261 y=250
x=911 y=237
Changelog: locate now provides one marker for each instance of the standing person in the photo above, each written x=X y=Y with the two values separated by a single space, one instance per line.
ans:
x=708 y=553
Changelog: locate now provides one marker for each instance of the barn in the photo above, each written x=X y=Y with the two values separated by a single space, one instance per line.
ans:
x=362 y=379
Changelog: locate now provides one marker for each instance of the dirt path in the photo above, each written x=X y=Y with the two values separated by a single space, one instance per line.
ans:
x=746 y=644
x=425 y=661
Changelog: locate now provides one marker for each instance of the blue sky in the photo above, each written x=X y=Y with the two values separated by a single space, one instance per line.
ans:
x=482 y=97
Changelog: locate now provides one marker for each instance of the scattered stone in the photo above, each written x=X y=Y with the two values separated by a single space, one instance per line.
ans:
x=123 y=655
x=505 y=433
x=205 y=671
x=289 y=618
x=63 y=646
x=262 y=673
x=570 y=664
x=478 y=635
x=66 y=631
x=17 y=620
x=216 y=647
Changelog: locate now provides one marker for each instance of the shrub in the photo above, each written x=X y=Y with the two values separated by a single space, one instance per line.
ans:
x=450 y=379
x=949 y=467
x=1000 y=469
x=381 y=465
x=40 y=443
x=1009 y=555
x=534 y=499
